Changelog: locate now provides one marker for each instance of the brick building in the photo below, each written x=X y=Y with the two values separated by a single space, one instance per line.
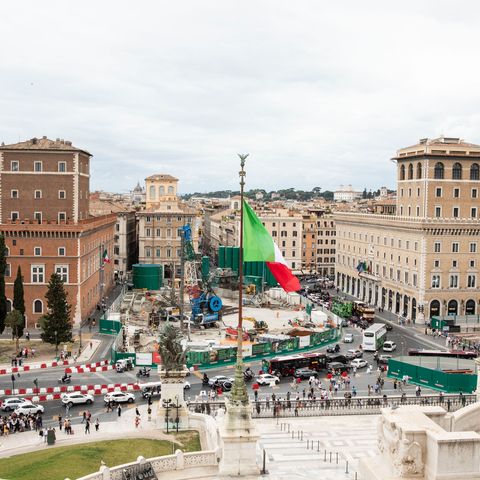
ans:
x=44 y=215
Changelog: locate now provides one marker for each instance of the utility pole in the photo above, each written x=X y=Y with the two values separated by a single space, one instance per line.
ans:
x=182 y=281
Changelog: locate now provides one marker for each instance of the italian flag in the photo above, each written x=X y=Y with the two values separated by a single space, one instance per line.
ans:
x=105 y=257
x=258 y=246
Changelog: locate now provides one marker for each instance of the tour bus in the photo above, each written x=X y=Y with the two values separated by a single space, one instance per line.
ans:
x=287 y=364
x=374 y=337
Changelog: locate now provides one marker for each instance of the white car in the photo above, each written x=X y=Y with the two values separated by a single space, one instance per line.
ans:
x=359 y=363
x=389 y=346
x=27 y=407
x=76 y=398
x=348 y=338
x=267 y=379
x=119 y=397
x=10 y=404
x=220 y=379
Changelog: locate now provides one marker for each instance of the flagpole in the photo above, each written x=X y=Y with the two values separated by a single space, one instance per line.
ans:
x=239 y=390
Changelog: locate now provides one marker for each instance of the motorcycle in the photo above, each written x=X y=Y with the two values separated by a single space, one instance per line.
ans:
x=65 y=379
x=248 y=375
x=143 y=372
x=205 y=380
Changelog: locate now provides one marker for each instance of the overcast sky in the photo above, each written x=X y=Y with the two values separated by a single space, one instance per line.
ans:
x=319 y=93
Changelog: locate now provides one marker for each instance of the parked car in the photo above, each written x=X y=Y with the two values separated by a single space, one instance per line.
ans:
x=267 y=379
x=359 y=363
x=348 y=338
x=219 y=378
x=27 y=408
x=389 y=346
x=10 y=404
x=119 y=397
x=225 y=385
x=384 y=359
x=124 y=364
x=337 y=357
x=305 y=373
x=333 y=348
x=353 y=353
x=333 y=367
x=76 y=398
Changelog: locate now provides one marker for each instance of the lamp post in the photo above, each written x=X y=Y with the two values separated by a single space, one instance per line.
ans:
x=13 y=383
x=56 y=344
x=80 y=335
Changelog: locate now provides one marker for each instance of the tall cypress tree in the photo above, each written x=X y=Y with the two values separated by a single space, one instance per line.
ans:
x=3 y=297
x=18 y=298
x=58 y=317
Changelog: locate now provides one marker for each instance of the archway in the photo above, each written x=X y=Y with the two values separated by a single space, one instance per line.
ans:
x=414 y=310
x=384 y=297
x=354 y=285
x=397 y=303
x=434 y=308
x=470 y=307
x=452 y=307
x=348 y=284
x=390 y=300
x=405 y=306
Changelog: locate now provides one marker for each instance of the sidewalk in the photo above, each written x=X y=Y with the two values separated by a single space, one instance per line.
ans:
x=116 y=429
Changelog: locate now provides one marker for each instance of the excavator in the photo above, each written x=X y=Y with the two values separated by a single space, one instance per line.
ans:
x=259 y=326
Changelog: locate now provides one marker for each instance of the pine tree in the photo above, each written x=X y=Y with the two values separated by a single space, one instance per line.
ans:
x=18 y=299
x=16 y=321
x=3 y=268
x=58 y=317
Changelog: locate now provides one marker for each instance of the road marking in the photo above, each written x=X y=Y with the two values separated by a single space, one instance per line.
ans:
x=107 y=348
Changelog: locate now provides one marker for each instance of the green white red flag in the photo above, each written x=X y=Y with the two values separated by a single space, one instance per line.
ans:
x=106 y=259
x=258 y=246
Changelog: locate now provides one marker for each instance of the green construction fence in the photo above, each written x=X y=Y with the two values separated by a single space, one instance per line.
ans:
x=109 y=327
x=432 y=378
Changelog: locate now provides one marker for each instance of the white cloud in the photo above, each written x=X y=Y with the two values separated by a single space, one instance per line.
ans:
x=319 y=93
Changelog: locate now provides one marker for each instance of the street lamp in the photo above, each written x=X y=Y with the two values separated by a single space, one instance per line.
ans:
x=56 y=344
x=80 y=335
x=35 y=382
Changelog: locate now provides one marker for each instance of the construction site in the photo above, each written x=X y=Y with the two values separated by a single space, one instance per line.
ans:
x=205 y=307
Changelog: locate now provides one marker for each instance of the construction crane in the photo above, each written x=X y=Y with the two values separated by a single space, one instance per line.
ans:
x=205 y=304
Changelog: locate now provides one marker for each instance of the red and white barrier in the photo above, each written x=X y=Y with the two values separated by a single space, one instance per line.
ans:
x=89 y=367
x=55 y=393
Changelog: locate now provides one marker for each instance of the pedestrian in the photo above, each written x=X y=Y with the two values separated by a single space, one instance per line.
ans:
x=67 y=409
x=256 y=395
x=395 y=384
x=60 y=422
x=137 y=421
x=84 y=417
x=91 y=345
x=27 y=336
x=119 y=411
x=354 y=391
x=149 y=412
x=97 y=425
x=137 y=412
x=87 y=427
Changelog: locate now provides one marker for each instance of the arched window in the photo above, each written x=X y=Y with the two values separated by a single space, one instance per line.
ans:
x=402 y=172
x=170 y=190
x=438 y=170
x=470 y=307
x=9 y=305
x=419 y=170
x=152 y=192
x=457 y=171
x=434 y=308
x=452 y=308
x=410 y=171
x=37 y=306
x=161 y=190
x=474 y=172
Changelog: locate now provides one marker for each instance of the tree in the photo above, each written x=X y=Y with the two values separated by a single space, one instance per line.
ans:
x=3 y=268
x=16 y=322
x=56 y=324
x=18 y=299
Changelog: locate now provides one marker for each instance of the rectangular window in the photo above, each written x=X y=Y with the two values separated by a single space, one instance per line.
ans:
x=14 y=194
x=148 y=252
x=158 y=252
x=148 y=219
x=37 y=194
x=62 y=166
x=14 y=166
x=62 y=195
x=471 y=281
x=472 y=263
x=474 y=193
x=437 y=247
x=62 y=216
x=61 y=251
x=148 y=232
x=37 y=166
x=414 y=279
x=169 y=253
x=8 y=270
x=456 y=212
x=473 y=247
x=417 y=211
x=435 y=281
x=38 y=273
x=158 y=232
x=436 y=263
x=37 y=251
x=456 y=193
x=438 y=192
x=453 y=283
x=438 y=212
x=454 y=247
x=473 y=212
x=454 y=263
x=38 y=216
x=62 y=272
x=14 y=215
